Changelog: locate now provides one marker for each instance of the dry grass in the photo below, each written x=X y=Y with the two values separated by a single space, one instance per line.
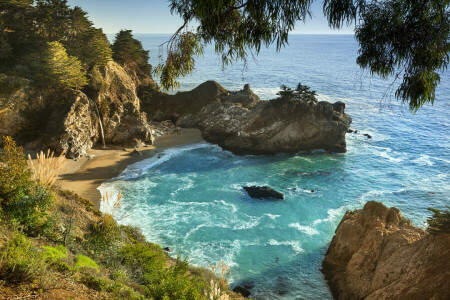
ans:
x=110 y=203
x=215 y=293
x=221 y=270
x=48 y=167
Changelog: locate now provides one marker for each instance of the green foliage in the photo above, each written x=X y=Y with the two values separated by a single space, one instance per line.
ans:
x=129 y=52
x=235 y=28
x=146 y=265
x=14 y=173
x=27 y=26
x=21 y=199
x=85 y=262
x=61 y=70
x=180 y=59
x=54 y=254
x=398 y=38
x=20 y=262
x=93 y=282
x=29 y=207
x=134 y=234
x=439 y=221
x=301 y=93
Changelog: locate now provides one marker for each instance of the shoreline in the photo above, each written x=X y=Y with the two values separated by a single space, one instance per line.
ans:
x=85 y=175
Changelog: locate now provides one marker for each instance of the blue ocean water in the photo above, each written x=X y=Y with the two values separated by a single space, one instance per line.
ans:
x=191 y=198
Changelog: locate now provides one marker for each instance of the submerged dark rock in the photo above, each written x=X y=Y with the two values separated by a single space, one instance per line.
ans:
x=242 y=290
x=261 y=192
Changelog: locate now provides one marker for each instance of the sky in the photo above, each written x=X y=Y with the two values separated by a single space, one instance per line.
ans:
x=153 y=16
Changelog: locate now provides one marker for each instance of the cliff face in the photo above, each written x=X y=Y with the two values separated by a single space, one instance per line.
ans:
x=378 y=254
x=75 y=127
x=123 y=121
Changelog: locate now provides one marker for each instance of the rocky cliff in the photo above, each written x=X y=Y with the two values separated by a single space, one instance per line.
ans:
x=240 y=122
x=378 y=254
x=41 y=120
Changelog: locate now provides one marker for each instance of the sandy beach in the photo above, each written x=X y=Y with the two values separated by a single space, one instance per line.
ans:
x=86 y=174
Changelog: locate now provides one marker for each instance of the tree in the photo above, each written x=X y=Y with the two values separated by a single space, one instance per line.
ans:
x=439 y=221
x=301 y=93
x=405 y=39
x=63 y=71
x=129 y=52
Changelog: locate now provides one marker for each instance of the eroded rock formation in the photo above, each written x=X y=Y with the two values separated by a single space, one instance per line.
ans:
x=240 y=122
x=376 y=253
x=73 y=126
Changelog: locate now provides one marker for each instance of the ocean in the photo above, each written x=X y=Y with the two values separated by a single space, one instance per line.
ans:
x=191 y=198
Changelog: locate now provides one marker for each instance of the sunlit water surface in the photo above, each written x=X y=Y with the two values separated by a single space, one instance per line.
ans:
x=191 y=198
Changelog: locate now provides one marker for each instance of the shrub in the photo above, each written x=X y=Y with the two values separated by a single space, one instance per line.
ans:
x=146 y=264
x=85 y=262
x=20 y=262
x=29 y=208
x=14 y=172
x=21 y=199
x=439 y=221
x=54 y=254
x=93 y=282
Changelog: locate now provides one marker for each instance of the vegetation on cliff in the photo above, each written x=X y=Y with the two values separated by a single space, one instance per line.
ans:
x=53 y=240
x=439 y=221
x=38 y=39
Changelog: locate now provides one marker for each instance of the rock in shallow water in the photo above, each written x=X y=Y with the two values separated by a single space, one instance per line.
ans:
x=262 y=192
x=241 y=290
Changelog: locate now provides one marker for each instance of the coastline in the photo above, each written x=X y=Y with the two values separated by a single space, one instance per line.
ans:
x=85 y=175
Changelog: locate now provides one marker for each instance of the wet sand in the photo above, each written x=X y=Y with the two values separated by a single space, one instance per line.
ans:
x=85 y=175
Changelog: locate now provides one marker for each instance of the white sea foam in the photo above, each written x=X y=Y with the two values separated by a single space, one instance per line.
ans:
x=223 y=203
x=273 y=217
x=333 y=214
x=210 y=225
x=295 y=245
x=423 y=160
x=388 y=154
x=305 y=229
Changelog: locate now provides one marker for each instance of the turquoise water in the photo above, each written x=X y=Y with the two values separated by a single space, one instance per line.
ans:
x=191 y=199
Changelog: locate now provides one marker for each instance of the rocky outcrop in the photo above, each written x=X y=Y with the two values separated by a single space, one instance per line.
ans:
x=262 y=192
x=73 y=126
x=161 y=106
x=123 y=121
x=378 y=254
x=77 y=131
x=270 y=127
x=240 y=122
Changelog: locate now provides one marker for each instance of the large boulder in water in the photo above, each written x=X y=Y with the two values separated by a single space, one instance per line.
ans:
x=276 y=126
x=376 y=253
x=262 y=192
x=242 y=123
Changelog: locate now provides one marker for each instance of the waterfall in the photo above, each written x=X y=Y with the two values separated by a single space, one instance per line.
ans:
x=100 y=121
